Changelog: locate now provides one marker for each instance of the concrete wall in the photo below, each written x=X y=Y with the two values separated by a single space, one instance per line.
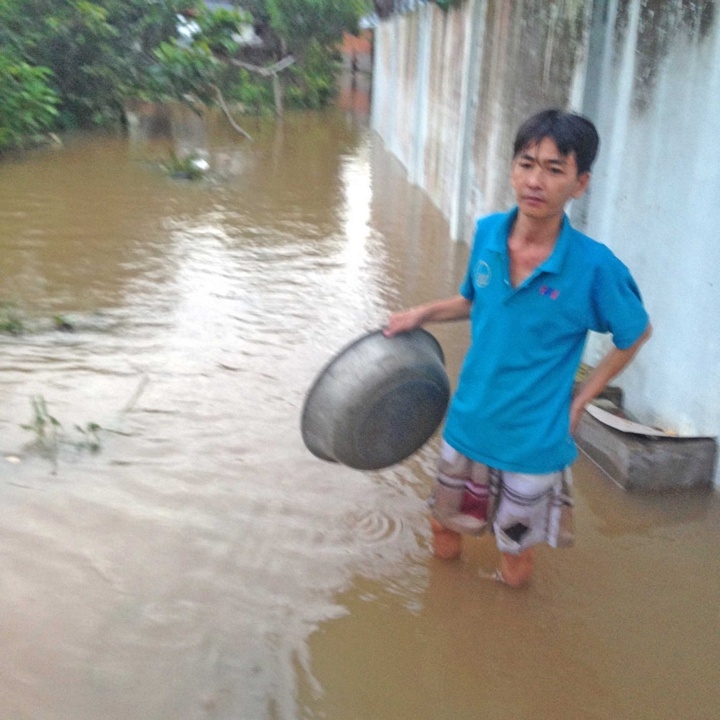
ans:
x=449 y=91
x=418 y=97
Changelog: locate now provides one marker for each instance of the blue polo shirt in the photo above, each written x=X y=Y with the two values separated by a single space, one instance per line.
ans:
x=511 y=409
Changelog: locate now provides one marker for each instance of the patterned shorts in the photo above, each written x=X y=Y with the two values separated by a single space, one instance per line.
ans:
x=521 y=510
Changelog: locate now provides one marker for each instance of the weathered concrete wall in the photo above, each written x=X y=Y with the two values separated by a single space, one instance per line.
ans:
x=449 y=91
x=416 y=101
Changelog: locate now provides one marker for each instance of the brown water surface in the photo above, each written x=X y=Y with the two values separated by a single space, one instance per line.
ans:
x=201 y=563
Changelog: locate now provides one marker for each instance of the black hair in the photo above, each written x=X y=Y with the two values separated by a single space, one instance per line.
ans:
x=571 y=132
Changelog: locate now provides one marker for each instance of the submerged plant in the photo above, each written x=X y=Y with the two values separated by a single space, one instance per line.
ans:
x=44 y=425
x=91 y=439
x=10 y=321
x=50 y=434
x=63 y=324
x=47 y=429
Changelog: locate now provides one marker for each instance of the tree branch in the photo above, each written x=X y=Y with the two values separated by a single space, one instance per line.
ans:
x=223 y=105
x=266 y=71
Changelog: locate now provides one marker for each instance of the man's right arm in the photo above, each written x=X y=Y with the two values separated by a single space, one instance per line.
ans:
x=454 y=308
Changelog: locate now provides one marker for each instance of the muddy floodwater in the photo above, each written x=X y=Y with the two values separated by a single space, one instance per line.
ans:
x=169 y=550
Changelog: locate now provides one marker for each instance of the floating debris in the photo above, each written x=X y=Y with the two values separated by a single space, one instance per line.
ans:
x=190 y=167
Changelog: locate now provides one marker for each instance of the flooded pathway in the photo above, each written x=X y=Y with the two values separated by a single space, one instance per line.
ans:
x=169 y=548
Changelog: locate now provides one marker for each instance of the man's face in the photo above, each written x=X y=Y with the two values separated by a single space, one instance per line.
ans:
x=544 y=180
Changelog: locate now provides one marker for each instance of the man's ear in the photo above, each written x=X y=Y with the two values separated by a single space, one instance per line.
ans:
x=583 y=180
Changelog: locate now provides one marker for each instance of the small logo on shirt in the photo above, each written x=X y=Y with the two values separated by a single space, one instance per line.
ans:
x=550 y=292
x=483 y=274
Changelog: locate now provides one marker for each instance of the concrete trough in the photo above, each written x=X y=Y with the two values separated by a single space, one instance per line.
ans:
x=644 y=459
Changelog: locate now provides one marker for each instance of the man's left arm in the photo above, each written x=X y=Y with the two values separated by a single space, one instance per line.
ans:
x=610 y=366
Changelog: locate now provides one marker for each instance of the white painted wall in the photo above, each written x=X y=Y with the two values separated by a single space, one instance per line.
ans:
x=656 y=202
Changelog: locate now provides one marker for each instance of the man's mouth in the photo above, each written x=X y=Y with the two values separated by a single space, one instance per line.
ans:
x=533 y=200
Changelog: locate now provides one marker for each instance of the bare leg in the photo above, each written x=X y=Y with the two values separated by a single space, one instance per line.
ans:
x=516 y=570
x=447 y=544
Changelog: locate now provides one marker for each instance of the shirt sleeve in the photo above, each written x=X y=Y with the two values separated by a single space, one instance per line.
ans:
x=617 y=303
x=466 y=288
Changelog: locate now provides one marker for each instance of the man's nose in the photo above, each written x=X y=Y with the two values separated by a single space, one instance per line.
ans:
x=534 y=177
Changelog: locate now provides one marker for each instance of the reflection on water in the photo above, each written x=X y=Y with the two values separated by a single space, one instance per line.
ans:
x=203 y=564
x=180 y=571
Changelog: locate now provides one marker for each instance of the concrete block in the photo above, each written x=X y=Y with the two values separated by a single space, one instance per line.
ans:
x=648 y=462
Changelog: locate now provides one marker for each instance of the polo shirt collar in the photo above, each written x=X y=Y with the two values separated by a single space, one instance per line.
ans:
x=554 y=263
x=498 y=242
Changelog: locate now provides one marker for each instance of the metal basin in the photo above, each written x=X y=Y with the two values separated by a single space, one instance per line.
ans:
x=378 y=401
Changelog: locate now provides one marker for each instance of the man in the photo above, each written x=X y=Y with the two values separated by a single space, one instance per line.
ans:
x=534 y=287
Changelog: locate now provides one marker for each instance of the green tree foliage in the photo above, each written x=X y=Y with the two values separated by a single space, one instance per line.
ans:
x=311 y=31
x=98 y=52
x=183 y=73
x=27 y=103
x=74 y=62
x=312 y=83
x=304 y=23
x=218 y=30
